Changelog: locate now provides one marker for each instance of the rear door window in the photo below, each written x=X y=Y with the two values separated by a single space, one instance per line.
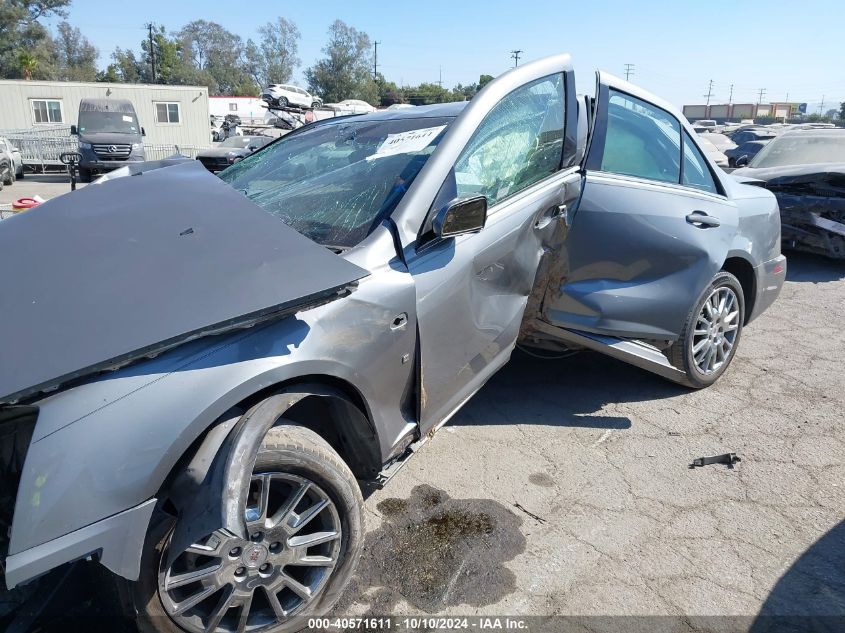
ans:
x=696 y=172
x=641 y=140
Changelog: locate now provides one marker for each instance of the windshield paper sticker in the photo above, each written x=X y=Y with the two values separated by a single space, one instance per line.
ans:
x=407 y=142
x=127 y=119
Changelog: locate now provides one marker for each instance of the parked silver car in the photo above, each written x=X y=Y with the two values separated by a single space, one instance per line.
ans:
x=198 y=371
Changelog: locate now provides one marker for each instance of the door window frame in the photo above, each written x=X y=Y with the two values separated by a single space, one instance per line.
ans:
x=595 y=151
x=565 y=162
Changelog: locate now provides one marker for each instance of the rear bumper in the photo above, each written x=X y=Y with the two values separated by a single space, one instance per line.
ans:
x=118 y=542
x=770 y=277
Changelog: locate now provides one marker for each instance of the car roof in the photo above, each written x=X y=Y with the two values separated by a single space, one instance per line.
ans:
x=816 y=132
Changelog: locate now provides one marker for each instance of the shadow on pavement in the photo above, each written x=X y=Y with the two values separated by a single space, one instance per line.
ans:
x=562 y=392
x=813 y=268
x=810 y=596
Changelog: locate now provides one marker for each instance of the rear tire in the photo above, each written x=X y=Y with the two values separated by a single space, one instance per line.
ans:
x=283 y=102
x=292 y=454
x=20 y=173
x=9 y=176
x=84 y=175
x=711 y=334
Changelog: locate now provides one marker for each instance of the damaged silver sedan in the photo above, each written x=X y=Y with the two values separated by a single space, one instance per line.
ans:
x=197 y=372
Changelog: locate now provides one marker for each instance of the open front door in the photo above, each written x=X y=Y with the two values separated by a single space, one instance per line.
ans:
x=515 y=145
x=652 y=228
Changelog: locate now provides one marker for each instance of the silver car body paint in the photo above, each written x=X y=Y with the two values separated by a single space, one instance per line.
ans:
x=106 y=447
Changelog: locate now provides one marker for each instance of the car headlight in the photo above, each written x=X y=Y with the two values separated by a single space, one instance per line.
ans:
x=83 y=145
x=137 y=146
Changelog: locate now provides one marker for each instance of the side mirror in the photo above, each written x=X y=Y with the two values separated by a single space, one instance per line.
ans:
x=742 y=161
x=461 y=216
x=74 y=131
x=143 y=132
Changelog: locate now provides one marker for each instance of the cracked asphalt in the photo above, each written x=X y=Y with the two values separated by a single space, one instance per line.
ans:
x=599 y=453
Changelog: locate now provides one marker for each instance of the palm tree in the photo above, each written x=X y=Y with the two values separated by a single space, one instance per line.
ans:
x=27 y=63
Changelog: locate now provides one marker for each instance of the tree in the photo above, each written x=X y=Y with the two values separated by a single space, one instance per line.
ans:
x=345 y=71
x=483 y=80
x=842 y=110
x=126 y=67
x=216 y=53
x=388 y=92
x=274 y=59
x=77 y=57
x=28 y=63
x=21 y=32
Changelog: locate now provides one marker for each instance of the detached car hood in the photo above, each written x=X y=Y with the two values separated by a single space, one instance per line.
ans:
x=123 y=269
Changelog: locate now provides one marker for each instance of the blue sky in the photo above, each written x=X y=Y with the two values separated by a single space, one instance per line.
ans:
x=676 y=47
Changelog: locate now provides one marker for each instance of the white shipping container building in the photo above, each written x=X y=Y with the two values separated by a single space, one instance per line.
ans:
x=249 y=109
x=170 y=115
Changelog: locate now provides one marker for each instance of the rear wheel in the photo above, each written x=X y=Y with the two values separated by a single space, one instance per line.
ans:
x=8 y=175
x=304 y=521
x=283 y=102
x=711 y=334
x=20 y=173
x=84 y=175
x=315 y=104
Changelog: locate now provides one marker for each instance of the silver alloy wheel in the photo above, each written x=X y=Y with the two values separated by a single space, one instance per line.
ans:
x=227 y=583
x=715 y=330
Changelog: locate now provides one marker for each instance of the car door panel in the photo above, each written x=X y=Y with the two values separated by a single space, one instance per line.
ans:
x=634 y=263
x=472 y=290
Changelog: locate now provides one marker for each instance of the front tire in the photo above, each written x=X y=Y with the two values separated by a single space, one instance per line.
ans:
x=711 y=334
x=304 y=518
x=84 y=175
x=9 y=176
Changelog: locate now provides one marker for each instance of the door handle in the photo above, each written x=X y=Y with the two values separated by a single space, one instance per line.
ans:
x=552 y=213
x=701 y=220
x=399 y=321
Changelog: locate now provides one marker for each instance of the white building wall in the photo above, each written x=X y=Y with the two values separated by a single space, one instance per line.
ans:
x=193 y=129
x=249 y=109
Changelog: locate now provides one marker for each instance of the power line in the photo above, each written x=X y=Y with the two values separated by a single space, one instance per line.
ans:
x=515 y=56
x=709 y=91
x=629 y=70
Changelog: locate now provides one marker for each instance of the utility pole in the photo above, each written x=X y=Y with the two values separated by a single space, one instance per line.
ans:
x=760 y=95
x=440 y=76
x=629 y=70
x=515 y=56
x=821 y=106
x=152 y=51
x=731 y=97
x=709 y=91
x=375 y=59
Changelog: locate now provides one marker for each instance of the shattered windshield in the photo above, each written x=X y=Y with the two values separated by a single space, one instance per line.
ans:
x=92 y=121
x=801 y=150
x=335 y=182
